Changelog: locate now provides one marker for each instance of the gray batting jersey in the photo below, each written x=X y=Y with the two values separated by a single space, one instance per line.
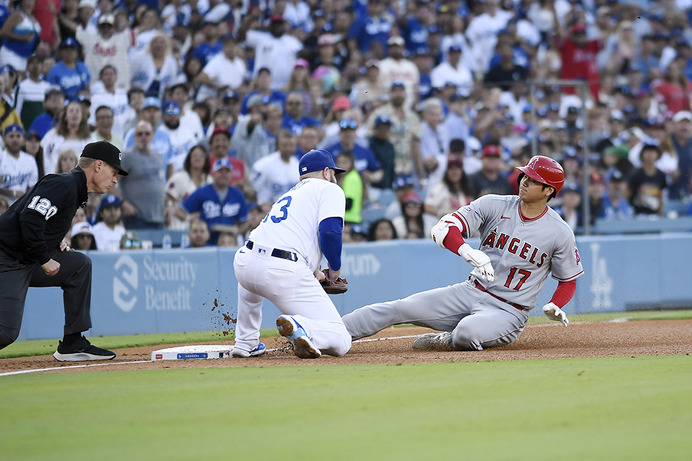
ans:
x=522 y=251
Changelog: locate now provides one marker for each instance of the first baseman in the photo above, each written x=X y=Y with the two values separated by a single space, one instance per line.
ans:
x=280 y=262
x=32 y=251
x=522 y=241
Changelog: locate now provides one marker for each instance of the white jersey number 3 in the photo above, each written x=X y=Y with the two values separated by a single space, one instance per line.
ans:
x=283 y=210
x=43 y=206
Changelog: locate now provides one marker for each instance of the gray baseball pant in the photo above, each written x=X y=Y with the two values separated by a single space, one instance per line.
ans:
x=476 y=320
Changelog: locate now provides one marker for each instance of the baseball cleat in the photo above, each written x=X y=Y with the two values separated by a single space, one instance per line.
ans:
x=243 y=353
x=291 y=330
x=434 y=342
x=80 y=351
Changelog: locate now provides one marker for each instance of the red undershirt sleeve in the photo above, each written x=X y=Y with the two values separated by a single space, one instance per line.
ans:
x=563 y=293
x=454 y=240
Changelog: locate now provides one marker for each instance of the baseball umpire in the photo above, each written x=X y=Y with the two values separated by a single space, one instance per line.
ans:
x=32 y=251
x=522 y=241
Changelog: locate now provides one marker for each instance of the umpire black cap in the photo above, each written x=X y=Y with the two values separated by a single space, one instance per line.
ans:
x=103 y=150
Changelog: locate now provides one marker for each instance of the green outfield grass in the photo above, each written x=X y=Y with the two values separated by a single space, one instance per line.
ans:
x=618 y=408
x=48 y=346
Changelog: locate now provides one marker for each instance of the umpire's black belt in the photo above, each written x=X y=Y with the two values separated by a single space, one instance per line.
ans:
x=514 y=305
x=283 y=254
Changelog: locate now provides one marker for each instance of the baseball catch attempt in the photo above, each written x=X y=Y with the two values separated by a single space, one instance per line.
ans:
x=280 y=262
x=522 y=241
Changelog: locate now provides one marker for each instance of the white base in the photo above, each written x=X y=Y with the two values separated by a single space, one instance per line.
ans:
x=193 y=352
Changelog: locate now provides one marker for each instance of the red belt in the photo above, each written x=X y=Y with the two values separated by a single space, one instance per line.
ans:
x=514 y=305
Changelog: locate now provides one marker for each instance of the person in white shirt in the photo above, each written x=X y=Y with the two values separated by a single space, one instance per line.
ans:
x=180 y=93
x=397 y=68
x=181 y=137
x=482 y=32
x=224 y=70
x=106 y=47
x=72 y=132
x=32 y=91
x=434 y=143
x=154 y=67
x=275 y=174
x=105 y=93
x=18 y=170
x=452 y=71
x=108 y=229
x=274 y=50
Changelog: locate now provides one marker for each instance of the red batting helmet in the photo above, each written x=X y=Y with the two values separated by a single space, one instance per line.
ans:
x=545 y=170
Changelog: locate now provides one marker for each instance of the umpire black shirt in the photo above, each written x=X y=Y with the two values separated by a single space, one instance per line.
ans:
x=37 y=222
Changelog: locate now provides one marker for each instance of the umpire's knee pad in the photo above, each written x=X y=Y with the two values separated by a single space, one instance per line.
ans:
x=8 y=336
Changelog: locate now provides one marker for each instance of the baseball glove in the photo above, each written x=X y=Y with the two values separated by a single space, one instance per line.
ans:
x=338 y=286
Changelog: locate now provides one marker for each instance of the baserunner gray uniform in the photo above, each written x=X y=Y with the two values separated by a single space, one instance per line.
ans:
x=480 y=315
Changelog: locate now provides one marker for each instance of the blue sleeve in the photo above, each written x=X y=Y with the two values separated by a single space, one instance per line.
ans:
x=373 y=163
x=192 y=202
x=53 y=77
x=330 y=240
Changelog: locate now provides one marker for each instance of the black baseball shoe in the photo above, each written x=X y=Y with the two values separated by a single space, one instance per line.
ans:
x=80 y=351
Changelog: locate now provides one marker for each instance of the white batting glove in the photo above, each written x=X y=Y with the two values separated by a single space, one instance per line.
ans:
x=479 y=260
x=555 y=313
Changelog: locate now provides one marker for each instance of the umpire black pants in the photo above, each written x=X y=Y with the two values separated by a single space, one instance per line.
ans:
x=74 y=277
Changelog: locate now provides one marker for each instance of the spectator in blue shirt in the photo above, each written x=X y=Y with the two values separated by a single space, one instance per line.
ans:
x=262 y=86
x=217 y=203
x=413 y=27
x=366 y=163
x=53 y=102
x=210 y=46
x=369 y=33
x=71 y=75
x=294 y=120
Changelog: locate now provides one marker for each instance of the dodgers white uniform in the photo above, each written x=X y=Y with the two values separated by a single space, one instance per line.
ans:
x=483 y=314
x=17 y=174
x=291 y=228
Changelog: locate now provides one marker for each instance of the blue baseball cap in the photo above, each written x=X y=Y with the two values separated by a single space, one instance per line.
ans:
x=7 y=68
x=69 y=42
x=383 y=120
x=170 y=107
x=317 y=160
x=402 y=181
x=151 y=102
x=14 y=128
x=397 y=84
x=109 y=200
x=222 y=163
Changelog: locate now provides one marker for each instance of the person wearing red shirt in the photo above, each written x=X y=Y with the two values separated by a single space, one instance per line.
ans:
x=674 y=89
x=578 y=56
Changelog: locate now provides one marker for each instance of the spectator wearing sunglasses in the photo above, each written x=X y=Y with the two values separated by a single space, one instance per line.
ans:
x=143 y=190
x=130 y=241
x=294 y=118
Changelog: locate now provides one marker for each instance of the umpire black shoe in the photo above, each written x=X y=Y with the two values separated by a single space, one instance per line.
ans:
x=80 y=351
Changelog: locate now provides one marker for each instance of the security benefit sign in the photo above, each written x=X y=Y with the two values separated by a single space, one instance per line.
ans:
x=157 y=289
x=167 y=282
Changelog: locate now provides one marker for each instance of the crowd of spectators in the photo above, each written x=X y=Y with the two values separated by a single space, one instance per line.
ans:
x=427 y=105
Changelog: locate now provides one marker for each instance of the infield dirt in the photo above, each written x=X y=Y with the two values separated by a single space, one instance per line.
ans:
x=542 y=341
